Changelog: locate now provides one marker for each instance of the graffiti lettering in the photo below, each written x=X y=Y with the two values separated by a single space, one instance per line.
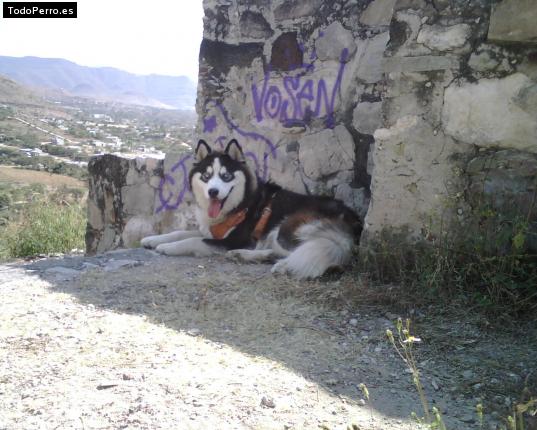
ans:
x=172 y=190
x=300 y=99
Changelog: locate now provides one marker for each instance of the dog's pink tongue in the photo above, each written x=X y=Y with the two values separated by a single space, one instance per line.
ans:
x=214 y=208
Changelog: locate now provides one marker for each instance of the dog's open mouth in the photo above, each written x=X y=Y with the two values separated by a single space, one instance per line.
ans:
x=215 y=206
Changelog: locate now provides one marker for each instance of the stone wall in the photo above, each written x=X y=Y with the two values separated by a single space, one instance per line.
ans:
x=458 y=120
x=121 y=201
x=404 y=109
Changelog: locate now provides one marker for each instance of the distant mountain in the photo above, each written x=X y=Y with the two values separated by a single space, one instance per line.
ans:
x=107 y=83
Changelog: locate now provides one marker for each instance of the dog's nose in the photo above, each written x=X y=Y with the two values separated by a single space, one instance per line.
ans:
x=213 y=193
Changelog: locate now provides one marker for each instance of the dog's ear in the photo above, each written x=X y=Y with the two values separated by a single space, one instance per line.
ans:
x=234 y=150
x=202 y=150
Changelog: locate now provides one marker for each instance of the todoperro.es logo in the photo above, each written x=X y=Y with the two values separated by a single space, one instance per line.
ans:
x=39 y=9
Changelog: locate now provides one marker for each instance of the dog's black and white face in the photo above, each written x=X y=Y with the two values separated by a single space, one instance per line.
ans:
x=219 y=180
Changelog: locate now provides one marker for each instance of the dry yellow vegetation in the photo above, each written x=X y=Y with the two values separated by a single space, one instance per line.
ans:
x=25 y=176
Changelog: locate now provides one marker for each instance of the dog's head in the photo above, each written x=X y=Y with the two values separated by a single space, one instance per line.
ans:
x=221 y=181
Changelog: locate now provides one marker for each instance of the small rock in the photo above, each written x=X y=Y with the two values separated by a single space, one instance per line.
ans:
x=468 y=374
x=435 y=385
x=353 y=322
x=268 y=402
x=468 y=418
x=361 y=402
x=194 y=332
x=114 y=265
x=331 y=381
x=391 y=316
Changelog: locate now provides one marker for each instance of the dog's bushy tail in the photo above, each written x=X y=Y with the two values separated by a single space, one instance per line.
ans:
x=322 y=244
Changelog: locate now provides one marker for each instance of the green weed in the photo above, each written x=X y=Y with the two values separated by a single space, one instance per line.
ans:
x=45 y=227
x=488 y=263
x=403 y=342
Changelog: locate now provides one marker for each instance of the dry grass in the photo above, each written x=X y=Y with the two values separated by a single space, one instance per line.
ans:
x=23 y=176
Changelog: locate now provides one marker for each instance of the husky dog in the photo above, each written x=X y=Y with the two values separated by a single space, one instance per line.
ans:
x=255 y=221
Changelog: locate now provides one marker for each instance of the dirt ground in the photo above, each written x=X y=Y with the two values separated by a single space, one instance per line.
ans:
x=136 y=340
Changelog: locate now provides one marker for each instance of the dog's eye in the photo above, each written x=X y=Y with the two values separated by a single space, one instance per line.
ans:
x=226 y=176
x=205 y=177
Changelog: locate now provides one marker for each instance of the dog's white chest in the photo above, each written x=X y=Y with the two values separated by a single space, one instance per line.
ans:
x=203 y=223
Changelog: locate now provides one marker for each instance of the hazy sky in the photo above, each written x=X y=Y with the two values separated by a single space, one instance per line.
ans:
x=150 y=36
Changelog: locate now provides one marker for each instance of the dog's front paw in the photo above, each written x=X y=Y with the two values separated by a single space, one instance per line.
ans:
x=165 y=249
x=235 y=254
x=149 y=242
x=279 y=267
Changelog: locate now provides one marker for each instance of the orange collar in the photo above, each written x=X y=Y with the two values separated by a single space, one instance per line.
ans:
x=262 y=223
x=220 y=230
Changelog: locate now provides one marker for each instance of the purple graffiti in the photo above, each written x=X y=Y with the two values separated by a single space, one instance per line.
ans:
x=269 y=151
x=300 y=98
x=175 y=190
x=209 y=124
x=247 y=134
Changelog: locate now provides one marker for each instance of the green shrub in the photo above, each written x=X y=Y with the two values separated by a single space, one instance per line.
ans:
x=45 y=227
x=5 y=200
x=487 y=262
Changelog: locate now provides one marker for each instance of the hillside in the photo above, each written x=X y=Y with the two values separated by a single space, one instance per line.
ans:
x=105 y=83
x=13 y=93
x=12 y=175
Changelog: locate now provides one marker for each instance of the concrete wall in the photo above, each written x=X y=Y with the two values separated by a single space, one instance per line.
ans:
x=404 y=109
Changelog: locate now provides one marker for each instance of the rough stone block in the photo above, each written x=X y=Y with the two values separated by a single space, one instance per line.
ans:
x=514 y=21
x=367 y=117
x=491 y=113
x=254 y=25
x=483 y=61
x=292 y=9
x=442 y=38
x=411 y=165
x=327 y=152
x=119 y=189
x=333 y=40
x=370 y=58
x=379 y=12
x=420 y=64
x=138 y=199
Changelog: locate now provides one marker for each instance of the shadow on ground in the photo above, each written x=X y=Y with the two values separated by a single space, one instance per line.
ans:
x=248 y=309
